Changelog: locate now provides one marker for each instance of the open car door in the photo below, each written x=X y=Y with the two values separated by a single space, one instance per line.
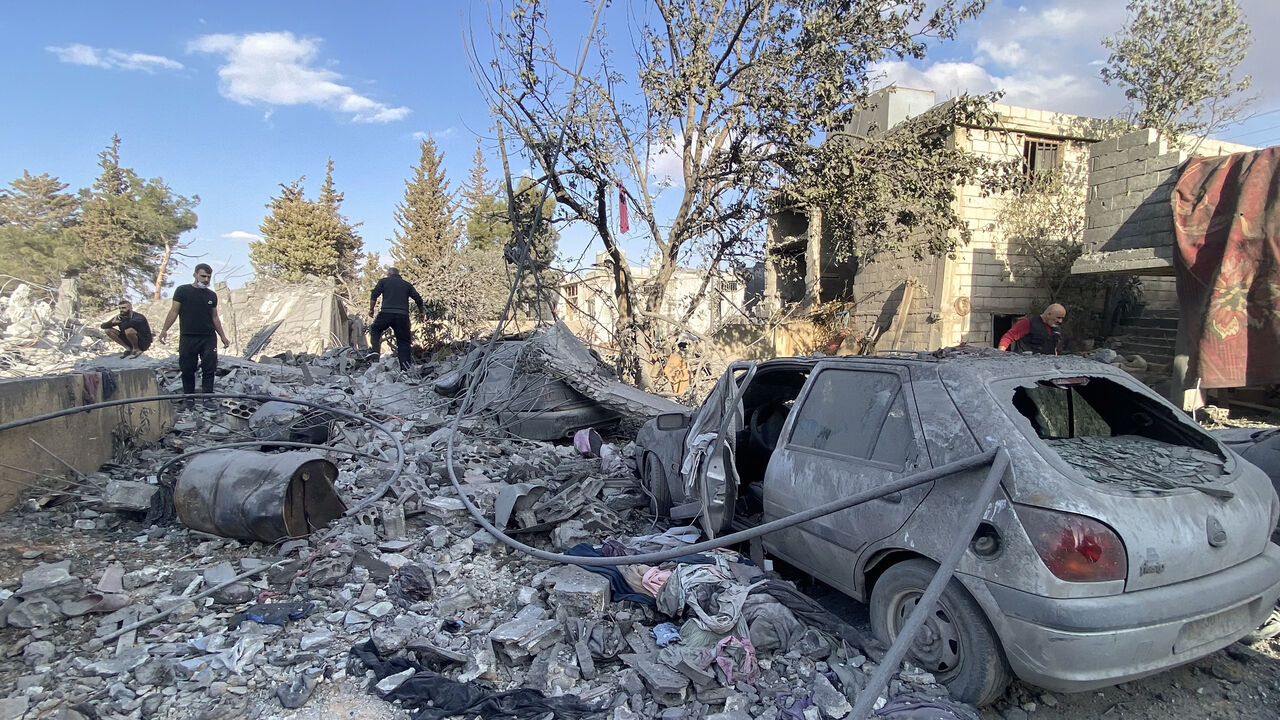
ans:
x=709 y=470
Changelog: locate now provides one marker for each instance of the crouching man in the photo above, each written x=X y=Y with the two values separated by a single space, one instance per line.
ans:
x=129 y=329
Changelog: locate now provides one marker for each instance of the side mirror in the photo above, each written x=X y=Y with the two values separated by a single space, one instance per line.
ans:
x=673 y=421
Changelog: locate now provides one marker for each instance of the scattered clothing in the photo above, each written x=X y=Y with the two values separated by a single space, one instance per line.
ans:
x=665 y=634
x=435 y=697
x=272 y=613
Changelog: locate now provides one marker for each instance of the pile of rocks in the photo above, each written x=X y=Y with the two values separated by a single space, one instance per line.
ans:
x=218 y=627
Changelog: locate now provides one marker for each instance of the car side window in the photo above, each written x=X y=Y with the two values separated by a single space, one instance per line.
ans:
x=857 y=413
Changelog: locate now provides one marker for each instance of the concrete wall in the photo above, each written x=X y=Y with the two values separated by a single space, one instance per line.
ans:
x=85 y=440
x=1129 y=214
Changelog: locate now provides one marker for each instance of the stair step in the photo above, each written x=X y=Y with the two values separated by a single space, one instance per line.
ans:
x=1150 y=322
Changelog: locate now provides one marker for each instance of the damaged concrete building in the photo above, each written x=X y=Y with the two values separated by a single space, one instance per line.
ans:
x=1153 y=205
x=973 y=296
x=586 y=302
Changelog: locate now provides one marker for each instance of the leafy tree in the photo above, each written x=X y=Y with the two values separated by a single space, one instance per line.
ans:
x=1176 y=61
x=737 y=91
x=303 y=237
x=487 y=225
x=130 y=229
x=427 y=229
x=1044 y=227
x=38 y=229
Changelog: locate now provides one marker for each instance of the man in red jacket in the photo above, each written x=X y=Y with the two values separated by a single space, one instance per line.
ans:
x=1036 y=334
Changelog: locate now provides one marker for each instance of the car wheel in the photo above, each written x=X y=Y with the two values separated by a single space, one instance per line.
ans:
x=956 y=643
x=653 y=479
x=1268 y=629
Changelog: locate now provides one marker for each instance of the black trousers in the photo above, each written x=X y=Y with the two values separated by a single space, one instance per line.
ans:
x=399 y=325
x=193 y=350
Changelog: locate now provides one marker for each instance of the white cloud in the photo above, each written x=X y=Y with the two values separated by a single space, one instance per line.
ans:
x=241 y=235
x=109 y=59
x=666 y=166
x=276 y=68
x=1049 y=57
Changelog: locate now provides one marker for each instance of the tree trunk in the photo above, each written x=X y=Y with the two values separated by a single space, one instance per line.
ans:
x=630 y=330
x=163 y=270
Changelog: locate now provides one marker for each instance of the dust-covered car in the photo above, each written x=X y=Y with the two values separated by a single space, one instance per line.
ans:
x=1123 y=539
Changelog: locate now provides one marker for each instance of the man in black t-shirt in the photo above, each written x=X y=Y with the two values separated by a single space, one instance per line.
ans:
x=395 y=292
x=130 y=329
x=196 y=306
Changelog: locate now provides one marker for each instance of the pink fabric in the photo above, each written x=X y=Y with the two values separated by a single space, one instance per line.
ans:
x=654 y=579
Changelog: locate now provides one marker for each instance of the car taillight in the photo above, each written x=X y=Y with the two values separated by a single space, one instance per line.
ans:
x=1074 y=547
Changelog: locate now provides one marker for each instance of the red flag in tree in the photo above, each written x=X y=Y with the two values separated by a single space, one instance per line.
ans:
x=623 y=225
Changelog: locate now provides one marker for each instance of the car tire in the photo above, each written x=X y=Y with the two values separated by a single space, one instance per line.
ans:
x=653 y=479
x=957 y=644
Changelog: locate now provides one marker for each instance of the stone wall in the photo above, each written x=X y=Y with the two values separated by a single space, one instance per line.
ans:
x=85 y=440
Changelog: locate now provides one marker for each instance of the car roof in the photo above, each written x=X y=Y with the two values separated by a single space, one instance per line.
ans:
x=973 y=364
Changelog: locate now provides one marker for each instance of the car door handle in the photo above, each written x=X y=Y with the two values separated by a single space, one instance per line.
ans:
x=893 y=497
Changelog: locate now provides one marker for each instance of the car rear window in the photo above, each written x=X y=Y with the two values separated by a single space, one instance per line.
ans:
x=1116 y=436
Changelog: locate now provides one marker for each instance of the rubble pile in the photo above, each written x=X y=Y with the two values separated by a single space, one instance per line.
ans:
x=35 y=339
x=110 y=611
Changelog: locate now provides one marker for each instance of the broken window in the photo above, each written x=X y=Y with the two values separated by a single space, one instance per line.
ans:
x=856 y=413
x=1116 y=436
x=1039 y=157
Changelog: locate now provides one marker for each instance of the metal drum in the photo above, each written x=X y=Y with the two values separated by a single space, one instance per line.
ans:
x=251 y=495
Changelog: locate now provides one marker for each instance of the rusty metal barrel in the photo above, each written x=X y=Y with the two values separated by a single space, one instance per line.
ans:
x=252 y=495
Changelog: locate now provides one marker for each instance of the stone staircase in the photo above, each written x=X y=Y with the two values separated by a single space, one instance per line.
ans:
x=1151 y=335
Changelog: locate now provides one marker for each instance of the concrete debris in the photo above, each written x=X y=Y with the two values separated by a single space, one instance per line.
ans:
x=412 y=574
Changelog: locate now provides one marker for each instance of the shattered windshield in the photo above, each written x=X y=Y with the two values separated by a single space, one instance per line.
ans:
x=1116 y=436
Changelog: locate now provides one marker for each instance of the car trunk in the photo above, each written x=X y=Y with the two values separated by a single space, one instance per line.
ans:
x=1165 y=486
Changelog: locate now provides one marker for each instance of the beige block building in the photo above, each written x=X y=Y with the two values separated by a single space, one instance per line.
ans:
x=587 y=306
x=971 y=297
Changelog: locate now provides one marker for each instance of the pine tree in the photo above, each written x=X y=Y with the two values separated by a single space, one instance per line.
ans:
x=302 y=237
x=478 y=188
x=38 y=229
x=129 y=229
x=349 y=245
x=428 y=231
x=112 y=254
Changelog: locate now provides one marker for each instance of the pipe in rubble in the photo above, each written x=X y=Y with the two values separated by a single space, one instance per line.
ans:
x=890 y=663
x=377 y=493
x=970 y=463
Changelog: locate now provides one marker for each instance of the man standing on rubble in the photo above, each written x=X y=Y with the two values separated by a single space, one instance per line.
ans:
x=196 y=306
x=1037 y=334
x=395 y=292
x=130 y=329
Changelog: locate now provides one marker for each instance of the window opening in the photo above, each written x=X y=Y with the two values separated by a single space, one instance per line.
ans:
x=1039 y=157
x=1116 y=436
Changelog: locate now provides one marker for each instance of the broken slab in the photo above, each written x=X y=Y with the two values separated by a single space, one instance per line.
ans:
x=127 y=496
x=529 y=633
x=578 y=591
x=667 y=686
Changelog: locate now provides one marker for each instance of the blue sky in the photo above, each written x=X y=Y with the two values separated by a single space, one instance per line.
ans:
x=230 y=100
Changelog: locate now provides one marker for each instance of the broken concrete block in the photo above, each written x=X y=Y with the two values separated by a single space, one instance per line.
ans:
x=667 y=686
x=35 y=611
x=830 y=701
x=441 y=510
x=579 y=591
x=51 y=579
x=527 y=634
x=127 y=496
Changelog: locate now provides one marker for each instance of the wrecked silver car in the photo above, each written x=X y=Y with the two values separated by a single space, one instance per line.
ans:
x=1123 y=540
